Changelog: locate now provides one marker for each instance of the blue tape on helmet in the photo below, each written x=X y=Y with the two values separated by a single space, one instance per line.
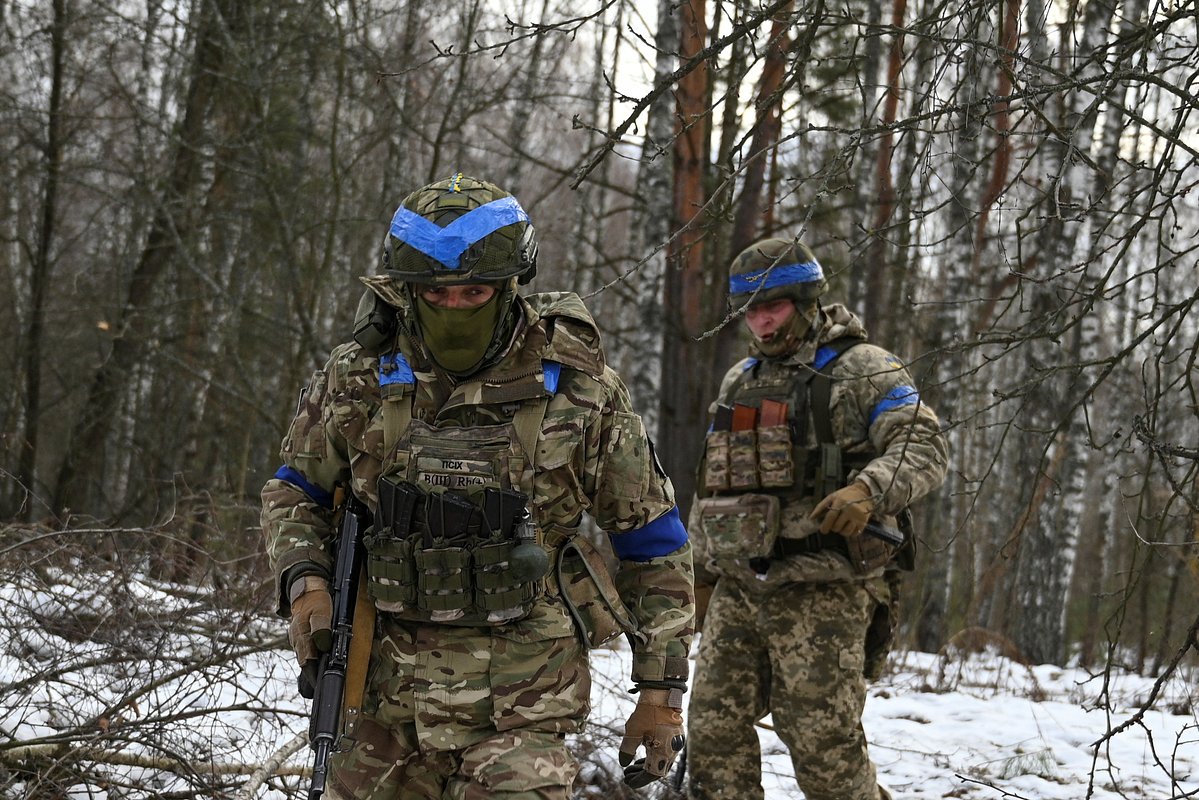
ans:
x=778 y=275
x=447 y=244
x=659 y=538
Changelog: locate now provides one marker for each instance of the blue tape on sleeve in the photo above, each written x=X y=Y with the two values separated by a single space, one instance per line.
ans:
x=394 y=368
x=551 y=372
x=659 y=538
x=896 y=398
x=447 y=244
x=296 y=478
x=779 y=275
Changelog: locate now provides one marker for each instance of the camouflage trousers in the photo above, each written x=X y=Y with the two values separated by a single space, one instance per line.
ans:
x=467 y=713
x=797 y=654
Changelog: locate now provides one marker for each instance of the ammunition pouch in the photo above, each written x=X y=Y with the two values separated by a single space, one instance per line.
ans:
x=765 y=459
x=448 y=558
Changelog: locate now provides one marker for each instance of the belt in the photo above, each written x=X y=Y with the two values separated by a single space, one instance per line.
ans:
x=813 y=543
x=810 y=544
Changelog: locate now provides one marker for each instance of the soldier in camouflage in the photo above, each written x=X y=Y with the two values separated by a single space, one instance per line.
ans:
x=814 y=435
x=478 y=426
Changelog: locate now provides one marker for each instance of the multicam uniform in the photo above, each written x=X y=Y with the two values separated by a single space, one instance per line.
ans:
x=786 y=628
x=473 y=697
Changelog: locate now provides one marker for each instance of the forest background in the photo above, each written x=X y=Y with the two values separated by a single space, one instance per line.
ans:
x=1005 y=190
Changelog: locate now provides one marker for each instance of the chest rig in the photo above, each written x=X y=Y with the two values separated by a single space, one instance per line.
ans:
x=455 y=541
x=760 y=439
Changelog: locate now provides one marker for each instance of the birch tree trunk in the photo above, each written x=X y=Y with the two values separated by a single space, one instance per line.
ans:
x=77 y=484
x=652 y=227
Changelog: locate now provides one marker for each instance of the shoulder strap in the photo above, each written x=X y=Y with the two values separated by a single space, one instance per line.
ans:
x=527 y=422
x=821 y=385
x=397 y=385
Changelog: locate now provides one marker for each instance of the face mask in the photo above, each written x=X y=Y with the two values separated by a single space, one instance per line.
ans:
x=458 y=338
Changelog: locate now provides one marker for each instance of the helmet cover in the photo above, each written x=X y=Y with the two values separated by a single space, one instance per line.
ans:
x=776 y=268
x=460 y=230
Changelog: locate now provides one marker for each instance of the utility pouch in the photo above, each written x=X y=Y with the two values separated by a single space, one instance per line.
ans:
x=716 y=461
x=391 y=571
x=443 y=582
x=743 y=460
x=775 y=465
x=867 y=553
x=590 y=594
x=743 y=526
x=496 y=591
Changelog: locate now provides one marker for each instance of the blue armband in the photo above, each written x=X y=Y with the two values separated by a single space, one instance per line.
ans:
x=296 y=478
x=896 y=398
x=659 y=538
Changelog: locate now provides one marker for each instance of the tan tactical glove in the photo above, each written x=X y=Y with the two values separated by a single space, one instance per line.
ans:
x=311 y=631
x=845 y=511
x=656 y=723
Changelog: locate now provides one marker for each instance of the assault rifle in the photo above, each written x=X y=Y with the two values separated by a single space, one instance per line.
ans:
x=325 y=728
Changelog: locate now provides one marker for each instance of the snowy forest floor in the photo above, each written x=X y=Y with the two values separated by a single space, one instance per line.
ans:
x=118 y=687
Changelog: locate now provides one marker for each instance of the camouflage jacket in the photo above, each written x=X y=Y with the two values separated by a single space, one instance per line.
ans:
x=876 y=415
x=592 y=456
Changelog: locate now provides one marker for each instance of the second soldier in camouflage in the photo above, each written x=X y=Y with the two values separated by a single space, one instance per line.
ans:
x=813 y=436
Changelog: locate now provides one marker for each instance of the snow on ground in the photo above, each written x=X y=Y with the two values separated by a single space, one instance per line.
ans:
x=983 y=725
x=975 y=726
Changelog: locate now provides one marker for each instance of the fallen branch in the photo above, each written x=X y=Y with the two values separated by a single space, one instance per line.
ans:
x=15 y=756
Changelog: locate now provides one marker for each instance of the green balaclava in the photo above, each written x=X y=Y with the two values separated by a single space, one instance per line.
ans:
x=459 y=338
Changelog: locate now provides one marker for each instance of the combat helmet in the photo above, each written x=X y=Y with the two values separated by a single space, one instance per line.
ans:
x=460 y=230
x=771 y=269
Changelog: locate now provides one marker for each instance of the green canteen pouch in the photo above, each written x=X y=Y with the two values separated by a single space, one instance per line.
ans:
x=716 y=461
x=740 y=526
x=590 y=594
x=775 y=465
x=743 y=460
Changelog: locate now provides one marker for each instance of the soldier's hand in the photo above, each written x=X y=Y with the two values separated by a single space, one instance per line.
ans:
x=311 y=631
x=656 y=724
x=845 y=511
